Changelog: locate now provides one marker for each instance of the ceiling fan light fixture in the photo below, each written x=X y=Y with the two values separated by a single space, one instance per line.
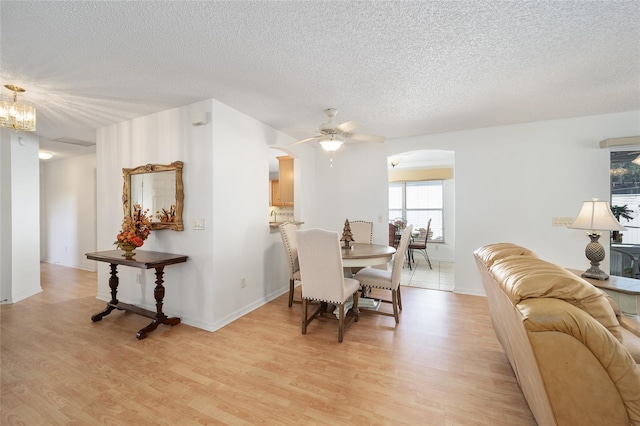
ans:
x=15 y=115
x=331 y=143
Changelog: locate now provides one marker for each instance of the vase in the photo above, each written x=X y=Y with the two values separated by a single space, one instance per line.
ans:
x=128 y=249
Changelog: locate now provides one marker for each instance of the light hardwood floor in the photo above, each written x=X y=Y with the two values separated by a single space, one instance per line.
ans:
x=442 y=365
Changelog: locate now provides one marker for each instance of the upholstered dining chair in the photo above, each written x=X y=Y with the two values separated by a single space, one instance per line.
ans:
x=419 y=244
x=388 y=280
x=288 y=234
x=362 y=231
x=323 y=278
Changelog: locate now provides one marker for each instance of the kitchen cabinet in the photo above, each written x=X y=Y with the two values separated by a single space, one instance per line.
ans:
x=282 y=189
x=275 y=193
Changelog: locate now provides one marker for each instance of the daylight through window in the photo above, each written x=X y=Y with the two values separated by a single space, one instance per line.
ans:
x=416 y=203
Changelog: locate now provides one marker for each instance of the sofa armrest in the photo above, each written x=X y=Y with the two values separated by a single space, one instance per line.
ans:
x=632 y=324
x=575 y=350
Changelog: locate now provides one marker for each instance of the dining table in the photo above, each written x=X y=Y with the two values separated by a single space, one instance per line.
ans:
x=360 y=255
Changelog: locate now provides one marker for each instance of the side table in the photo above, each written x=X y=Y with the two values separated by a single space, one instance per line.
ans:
x=142 y=260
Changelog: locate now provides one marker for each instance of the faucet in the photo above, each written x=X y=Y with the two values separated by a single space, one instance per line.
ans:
x=275 y=217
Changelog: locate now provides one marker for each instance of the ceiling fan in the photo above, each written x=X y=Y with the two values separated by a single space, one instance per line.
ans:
x=331 y=135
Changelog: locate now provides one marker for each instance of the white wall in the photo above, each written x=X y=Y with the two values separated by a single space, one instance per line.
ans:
x=355 y=188
x=511 y=181
x=68 y=208
x=225 y=183
x=20 y=232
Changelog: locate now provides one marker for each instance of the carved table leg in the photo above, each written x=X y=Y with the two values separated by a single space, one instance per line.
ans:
x=113 y=284
x=160 y=318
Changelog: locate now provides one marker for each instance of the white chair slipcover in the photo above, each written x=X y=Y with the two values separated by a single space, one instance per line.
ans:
x=322 y=276
x=388 y=280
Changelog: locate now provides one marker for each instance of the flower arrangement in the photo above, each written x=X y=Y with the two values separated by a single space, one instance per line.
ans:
x=135 y=228
x=167 y=215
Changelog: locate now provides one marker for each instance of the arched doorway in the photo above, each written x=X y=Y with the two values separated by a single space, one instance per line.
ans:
x=422 y=191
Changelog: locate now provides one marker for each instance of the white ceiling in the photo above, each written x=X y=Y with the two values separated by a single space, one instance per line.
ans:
x=399 y=68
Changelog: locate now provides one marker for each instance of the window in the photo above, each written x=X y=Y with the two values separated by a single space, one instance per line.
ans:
x=417 y=202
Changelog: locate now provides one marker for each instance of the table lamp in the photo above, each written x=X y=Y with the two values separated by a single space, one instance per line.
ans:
x=596 y=216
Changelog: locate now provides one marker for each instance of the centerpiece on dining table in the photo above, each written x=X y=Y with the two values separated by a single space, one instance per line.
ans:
x=347 y=235
x=135 y=230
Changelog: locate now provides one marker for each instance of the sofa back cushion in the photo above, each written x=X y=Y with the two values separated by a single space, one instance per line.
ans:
x=491 y=253
x=526 y=277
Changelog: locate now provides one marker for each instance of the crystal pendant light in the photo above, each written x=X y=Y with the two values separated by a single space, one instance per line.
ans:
x=15 y=115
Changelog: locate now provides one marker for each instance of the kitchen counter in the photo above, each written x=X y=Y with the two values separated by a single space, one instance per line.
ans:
x=277 y=224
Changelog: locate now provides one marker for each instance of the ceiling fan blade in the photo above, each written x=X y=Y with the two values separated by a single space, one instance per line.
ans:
x=348 y=126
x=303 y=141
x=367 y=138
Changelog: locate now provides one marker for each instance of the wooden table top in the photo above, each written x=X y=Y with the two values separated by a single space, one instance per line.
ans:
x=614 y=283
x=143 y=259
x=363 y=251
x=361 y=255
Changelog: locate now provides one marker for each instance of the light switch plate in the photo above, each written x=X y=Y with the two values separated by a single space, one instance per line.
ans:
x=562 y=221
x=198 y=224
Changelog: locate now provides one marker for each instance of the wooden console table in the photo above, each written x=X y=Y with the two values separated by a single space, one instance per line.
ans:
x=142 y=260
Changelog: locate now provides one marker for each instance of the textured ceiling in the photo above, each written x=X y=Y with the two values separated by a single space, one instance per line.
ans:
x=399 y=68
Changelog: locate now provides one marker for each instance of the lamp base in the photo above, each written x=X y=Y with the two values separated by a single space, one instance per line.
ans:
x=595 y=253
x=595 y=273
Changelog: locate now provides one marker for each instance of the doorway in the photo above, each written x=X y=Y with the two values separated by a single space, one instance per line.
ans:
x=422 y=187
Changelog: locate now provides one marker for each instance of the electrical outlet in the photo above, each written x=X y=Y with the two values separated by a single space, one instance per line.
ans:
x=243 y=282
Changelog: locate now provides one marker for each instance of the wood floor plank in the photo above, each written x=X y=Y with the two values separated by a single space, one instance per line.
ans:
x=442 y=365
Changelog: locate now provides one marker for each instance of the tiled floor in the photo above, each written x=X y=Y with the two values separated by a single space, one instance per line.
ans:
x=441 y=277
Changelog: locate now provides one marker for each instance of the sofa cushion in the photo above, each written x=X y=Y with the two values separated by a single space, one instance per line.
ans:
x=543 y=315
x=526 y=277
x=491 y=253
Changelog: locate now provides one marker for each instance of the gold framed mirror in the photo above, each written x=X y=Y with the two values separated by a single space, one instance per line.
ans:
x=156 y=187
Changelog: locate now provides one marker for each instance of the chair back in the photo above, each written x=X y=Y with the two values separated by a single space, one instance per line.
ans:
x=321 y=270
x=623 y=264
x=392 y=235
x=401 y=253
x=362 y=231
x=420 y=242
x=288 y=234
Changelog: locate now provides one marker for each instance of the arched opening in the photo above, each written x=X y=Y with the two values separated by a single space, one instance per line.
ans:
x=422 y=193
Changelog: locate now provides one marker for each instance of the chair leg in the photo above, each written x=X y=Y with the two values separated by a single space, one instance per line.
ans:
x=304 y=315
x=426 y=256
x=394 y=301
x=399 y=298
x=424 y=253
x=291 y=287
x=341 y=323
x=356 y=309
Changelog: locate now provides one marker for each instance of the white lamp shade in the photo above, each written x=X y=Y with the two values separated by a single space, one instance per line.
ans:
x=596 y=215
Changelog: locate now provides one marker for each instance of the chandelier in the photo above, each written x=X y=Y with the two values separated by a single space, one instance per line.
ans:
x=15 y=115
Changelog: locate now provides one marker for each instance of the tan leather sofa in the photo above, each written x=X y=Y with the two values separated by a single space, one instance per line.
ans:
x=572 y=358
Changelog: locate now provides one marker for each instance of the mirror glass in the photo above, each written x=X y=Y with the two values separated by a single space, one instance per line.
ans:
x=158 y=188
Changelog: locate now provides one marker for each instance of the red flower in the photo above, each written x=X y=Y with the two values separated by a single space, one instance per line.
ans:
x=136 y=241
x=135 y=228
